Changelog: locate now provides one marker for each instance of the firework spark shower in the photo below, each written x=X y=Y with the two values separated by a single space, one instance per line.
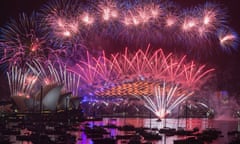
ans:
x=66 y=28
x=76 y=40
x=141 y=74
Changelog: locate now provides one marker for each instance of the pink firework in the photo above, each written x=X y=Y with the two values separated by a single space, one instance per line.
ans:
x=21 y=43
x=63 y=23
x=68 y=26
x=95 y=72
x=108 y=10
x=161 y=81
x=141 y=66
x=228 y=39
x=51 y=74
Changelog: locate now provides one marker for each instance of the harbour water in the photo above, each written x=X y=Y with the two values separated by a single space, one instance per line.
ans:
x=224 y=126
x=113 y=128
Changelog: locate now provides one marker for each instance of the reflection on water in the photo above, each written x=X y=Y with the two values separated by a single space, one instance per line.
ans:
x=189 y=124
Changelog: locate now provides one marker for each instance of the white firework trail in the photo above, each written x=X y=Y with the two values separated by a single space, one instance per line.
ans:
x=21 y=82
x=166 y=98
x=60 y=75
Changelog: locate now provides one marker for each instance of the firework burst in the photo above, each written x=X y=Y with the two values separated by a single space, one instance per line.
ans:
x=67 y=28
x=55 y=85
x=228 y=39
x=135 y=74
x=166 y=98
x=21 y=82
x=21 y=42
x=60 y=19
x=56 y=74
x=108 y=76
x=63 y=24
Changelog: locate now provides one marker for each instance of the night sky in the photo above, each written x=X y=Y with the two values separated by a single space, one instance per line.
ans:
x=227 y=65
